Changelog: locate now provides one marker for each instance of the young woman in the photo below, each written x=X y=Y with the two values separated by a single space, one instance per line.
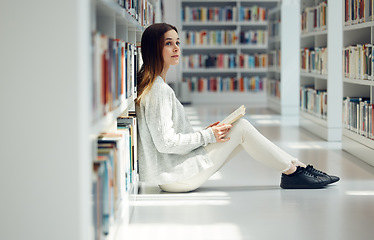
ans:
x=179 y=159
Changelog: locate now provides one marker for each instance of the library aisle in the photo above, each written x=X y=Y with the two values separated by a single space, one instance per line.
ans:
x=244 y=201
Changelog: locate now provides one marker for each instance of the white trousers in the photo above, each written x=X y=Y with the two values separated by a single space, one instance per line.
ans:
x=243 y=135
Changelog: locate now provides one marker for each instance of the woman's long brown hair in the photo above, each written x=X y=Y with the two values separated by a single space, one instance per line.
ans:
x=152 y=44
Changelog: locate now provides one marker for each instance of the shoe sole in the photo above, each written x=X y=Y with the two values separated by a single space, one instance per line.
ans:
x=303 y=186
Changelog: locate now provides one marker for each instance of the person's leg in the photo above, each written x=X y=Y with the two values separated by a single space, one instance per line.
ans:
x=242 y=135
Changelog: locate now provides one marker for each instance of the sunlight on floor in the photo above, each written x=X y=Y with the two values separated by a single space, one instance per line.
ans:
x=360 y=193
x=196 y=231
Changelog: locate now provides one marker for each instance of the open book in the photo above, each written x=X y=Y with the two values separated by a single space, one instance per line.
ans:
x=238 y=113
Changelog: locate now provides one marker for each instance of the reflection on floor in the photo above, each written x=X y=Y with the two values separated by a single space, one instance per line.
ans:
x=244 y=201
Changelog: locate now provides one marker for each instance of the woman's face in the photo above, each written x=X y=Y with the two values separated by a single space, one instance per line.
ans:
x=171 y=50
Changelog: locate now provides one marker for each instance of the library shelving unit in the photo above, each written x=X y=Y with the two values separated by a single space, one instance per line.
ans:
x=358 y=79
x=320 y=87
x=50 y=134
x=283 y=95
x=225 y=49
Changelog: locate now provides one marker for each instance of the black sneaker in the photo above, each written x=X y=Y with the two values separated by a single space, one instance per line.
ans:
x=322 y=175
x=302 y=179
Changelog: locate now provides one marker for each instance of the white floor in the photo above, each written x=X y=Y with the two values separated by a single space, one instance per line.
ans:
x=243 y=200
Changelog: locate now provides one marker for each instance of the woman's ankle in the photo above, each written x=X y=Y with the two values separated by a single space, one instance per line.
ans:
x=291 y=170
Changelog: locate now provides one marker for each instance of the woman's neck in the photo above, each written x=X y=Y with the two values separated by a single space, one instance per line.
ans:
x=163 y=73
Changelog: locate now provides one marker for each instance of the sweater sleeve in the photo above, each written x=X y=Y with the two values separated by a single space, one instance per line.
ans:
x=158 y=110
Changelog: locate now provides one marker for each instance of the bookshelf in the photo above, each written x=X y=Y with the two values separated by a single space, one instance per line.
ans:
x=320 y=85
x=47 y=177
x=358 y=80
x=283 y=95
x=225 y=52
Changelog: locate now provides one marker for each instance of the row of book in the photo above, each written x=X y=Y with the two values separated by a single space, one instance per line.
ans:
x=273 y=87
x=223 y=14
x=225 y=84
x=225 y=37
x=141 y=10
x=313 y=101
x=358 y=116
x=358 y=61
x=212 y=37
x=114 y=172
x=115 y=67
x=358 y=11
x=314 y=60
x=209 y=14
x=274 y=59
x=229 y=60
x=314 y=18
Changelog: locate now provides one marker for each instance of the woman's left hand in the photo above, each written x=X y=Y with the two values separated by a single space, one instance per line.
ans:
x=213 y=124
x=220 y=132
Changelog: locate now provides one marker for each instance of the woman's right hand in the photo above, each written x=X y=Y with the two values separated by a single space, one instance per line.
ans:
x=220 y=132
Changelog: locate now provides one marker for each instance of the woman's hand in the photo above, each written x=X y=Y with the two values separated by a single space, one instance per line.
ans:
x=213 y=124
x=220 y=131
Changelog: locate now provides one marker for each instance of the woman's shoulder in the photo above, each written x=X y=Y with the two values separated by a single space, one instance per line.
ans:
x=159 y=90
x=161 y=86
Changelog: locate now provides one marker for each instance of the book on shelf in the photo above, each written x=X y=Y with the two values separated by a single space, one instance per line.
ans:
x=358 y=116
x=103 y=189
x=358 y=61
x=314 y=60
x=225 y=61
x=225 y=37
x=273 y=87
x=234 y=116
x=208 y=14
x=358 y=11
x=313 y=101
x=225 y=84
x=115 y=65
x=253 y=13
x=141 y=10
x=314 y=18
x=274 y=59
x=110 y=179
x=130 y=123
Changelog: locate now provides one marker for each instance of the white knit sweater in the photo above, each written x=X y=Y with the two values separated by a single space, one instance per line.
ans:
x=168 y=148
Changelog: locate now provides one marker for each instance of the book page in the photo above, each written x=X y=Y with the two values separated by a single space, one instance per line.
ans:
x=234 y=116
